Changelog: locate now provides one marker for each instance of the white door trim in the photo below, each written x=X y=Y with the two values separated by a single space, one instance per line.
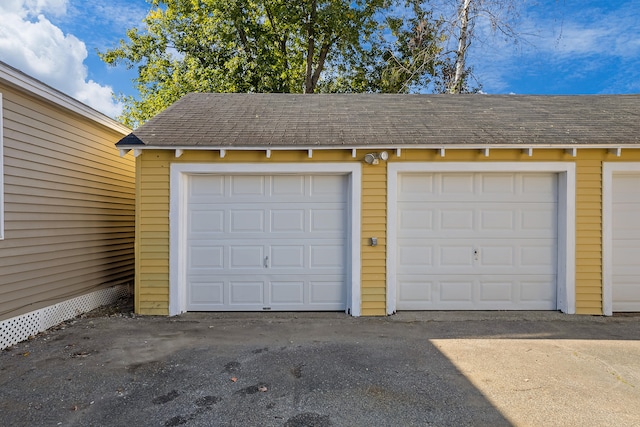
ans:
x=608 y=170
x=566 y=297
x=177 y=219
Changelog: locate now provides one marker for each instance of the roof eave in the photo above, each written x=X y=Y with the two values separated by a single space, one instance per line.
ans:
x=139 y=147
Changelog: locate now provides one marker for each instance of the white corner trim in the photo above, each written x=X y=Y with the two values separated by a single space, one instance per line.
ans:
x=179 y=176
x=1 y=169
x=609 y=169
x=566 y=297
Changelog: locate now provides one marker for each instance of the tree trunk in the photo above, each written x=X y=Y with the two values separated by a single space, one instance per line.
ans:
x=455 y=86
x=311 y=44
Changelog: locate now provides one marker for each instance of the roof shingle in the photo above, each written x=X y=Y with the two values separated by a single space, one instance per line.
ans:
x=361 y=120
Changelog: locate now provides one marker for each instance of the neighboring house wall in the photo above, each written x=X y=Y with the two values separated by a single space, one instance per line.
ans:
x=152 y=265
x=68 y=202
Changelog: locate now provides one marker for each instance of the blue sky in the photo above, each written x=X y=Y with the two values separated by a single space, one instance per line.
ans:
x=566 y=47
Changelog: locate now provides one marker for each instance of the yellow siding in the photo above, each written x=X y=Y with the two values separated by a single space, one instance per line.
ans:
x=588 y=206
x=374 y=220
x=152 y=279
x=152 y=216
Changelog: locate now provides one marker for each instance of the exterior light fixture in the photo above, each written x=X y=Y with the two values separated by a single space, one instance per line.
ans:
x=374 y=158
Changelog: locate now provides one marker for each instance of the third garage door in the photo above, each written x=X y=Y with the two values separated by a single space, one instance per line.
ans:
x=626 y=241
x=477 y=241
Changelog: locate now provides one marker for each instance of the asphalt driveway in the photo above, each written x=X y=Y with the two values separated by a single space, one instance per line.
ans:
x=111 y=368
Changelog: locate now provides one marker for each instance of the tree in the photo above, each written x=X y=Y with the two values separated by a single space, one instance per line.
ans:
x=244 y=46
x=500 y=15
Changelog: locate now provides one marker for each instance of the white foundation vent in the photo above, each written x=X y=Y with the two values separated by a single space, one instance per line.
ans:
x=19 y=328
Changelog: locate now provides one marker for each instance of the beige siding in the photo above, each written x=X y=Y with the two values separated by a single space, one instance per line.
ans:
x=69 y=206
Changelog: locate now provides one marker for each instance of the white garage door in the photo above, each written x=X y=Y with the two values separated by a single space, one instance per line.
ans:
x=477 y=241
x=626 y=242
x=259 y=242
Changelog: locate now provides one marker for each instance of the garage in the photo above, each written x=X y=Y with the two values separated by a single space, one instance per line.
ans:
x=624 y=239
x=259 y=242
x=477 y=240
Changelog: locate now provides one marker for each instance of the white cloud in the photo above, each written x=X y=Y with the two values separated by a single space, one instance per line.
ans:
x=31 y=43
x=596 y=42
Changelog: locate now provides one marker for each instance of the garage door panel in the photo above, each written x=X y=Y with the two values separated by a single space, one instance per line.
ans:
x=331 y=186
x=328 y=291
x=538 y=290
x=458 y=183
x=243 y=221
x=287 y=220
x=476 y=241
x=247 y=185
x=288 y=185
x=327 y=220
x=417 y=219
x=246 y=257
x=454 y=256
x=414 y=292
x=481 y=220
x=206 y=187
x=266 y=242
x=627 y=223
x=539 y=187
x=287 y=256
x=497 y=256
x=246 y=292
x=498 y=184
x=443 y=255
x=415 y=257
x=496 y=291
x=206 y=291
x=493 y=219
x=539 y=218
x=287 y=292
x=451 y=292
x=205 y=258
x=327 y=256
x=626 y=241
x=205 y=220
x=626 y=293
x=455 y=290
x=539 y=255
x=456 y=219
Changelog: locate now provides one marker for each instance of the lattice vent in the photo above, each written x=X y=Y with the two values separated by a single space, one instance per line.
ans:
x=19 y=328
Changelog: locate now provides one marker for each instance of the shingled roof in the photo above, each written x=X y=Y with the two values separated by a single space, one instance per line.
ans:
x=292 y=121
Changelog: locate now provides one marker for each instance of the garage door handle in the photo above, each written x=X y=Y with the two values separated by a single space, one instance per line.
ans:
x=266 y=262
